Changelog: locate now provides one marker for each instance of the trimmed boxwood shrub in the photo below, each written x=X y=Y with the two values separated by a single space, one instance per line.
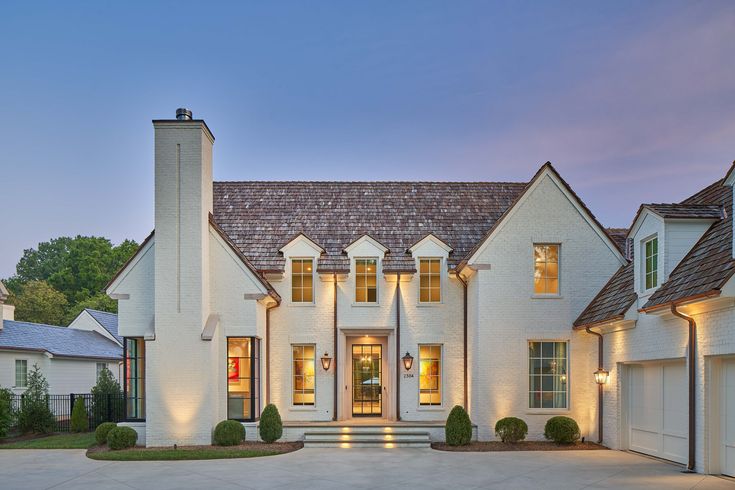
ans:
x=229 y=433
x=100 y=433
x=271 y=427
x=121 y=438
x=562 y=430
x=511 y=429
x=458 y=430
x=79 y=418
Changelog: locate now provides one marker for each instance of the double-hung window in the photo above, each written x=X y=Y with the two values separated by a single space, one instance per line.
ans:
x=134 y=378
x=548 y=366
x=304 y=370
x=546 y=269
x=101 y=366
x=21 y=373
x=430 y=280
x=430 y=374
x=302 y=280
x=651 y=262
x=366 y=284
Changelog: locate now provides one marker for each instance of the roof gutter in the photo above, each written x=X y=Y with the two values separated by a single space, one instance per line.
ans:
x=691 y=359
x=713 y=293
x=599 y=386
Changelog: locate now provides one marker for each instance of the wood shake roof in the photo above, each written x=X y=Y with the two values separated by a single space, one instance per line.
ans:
x=260 y=217
x=702 y=272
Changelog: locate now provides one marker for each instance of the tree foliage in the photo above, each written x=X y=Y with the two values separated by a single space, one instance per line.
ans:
x=35 y=414
x=39 y=302
x=78 y=268
x=107 y=400
x=6 y=412
x=79 y=416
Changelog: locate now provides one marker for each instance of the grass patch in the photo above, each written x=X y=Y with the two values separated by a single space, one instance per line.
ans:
x=177 y=454
x=84 y=440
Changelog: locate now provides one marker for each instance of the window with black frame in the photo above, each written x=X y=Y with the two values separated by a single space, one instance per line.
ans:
x=243 y=378
x=134 y=378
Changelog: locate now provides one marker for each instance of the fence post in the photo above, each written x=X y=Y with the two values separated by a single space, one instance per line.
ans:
x=109 y=407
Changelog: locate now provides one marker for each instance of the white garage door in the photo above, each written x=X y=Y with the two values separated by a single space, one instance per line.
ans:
x=727 y=422
x=658 y=410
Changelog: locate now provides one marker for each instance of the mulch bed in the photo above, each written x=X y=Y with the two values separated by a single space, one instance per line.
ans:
x=278 y=447
x=25 y=437
x=517 y=446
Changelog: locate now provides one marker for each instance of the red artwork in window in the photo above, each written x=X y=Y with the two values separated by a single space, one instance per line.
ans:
x=233 y=369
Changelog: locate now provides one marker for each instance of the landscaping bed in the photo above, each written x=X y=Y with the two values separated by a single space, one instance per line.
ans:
x=517 y=446
x=50 y=441
x=244 y=450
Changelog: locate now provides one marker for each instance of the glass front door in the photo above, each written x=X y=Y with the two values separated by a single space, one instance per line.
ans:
x=367 y=380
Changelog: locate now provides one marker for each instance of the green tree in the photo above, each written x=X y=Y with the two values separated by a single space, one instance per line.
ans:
x=107 y=399
x=39 y=302
x=79 y=417
x=6 y=412
x=77 y=267
x=35 y=415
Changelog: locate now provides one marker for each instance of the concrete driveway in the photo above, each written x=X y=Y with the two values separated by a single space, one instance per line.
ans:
x=322 y=469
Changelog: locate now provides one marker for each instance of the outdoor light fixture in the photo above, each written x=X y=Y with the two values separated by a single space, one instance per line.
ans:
x=601 y=376
x=326 y=361
x=407 y=361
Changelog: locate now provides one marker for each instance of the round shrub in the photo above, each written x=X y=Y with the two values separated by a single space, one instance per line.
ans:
x=121 y=437
x=229 y=433
x=79 y=418
x=458 y=431
x=100 y=433
x=271 y=427
x=562 y=430
x=511 y=429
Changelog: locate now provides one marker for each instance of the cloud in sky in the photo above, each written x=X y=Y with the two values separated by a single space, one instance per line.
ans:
x=631 y=101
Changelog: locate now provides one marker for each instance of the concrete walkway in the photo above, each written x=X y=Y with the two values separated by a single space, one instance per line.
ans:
x=323 y=469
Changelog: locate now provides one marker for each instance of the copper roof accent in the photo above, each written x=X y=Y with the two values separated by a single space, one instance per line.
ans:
x=613 y=300
x=709 y=264
x=260 y=217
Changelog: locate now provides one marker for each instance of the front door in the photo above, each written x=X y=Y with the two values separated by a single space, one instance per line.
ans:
x=367 y=380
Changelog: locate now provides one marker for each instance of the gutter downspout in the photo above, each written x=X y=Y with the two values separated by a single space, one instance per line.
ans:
x=336 y=370
x=692 y=382
x=398 y=346
x=599 y=386
x=464 y=337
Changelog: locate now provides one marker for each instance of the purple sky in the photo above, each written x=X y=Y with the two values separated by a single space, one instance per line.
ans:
x=631 y=101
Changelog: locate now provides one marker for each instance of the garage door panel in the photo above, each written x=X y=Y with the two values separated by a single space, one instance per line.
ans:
x=658 y=410
x=727 y=418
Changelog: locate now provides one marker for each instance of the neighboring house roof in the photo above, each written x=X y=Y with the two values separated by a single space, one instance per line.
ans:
x=613 y=300
x=107 y=320
x=259 y=217
x=59 y=341
x=709 y=264
x=684 y=211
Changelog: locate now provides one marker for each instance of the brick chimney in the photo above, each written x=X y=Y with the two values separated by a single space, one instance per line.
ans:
x=7 y=312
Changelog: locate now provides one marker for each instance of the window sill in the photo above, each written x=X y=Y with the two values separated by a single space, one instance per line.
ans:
x=429 y=304
x=548 y=411
x=363 y=305
x=430 y=408
x=546 y=296
x=307 y=408
x=302 y=305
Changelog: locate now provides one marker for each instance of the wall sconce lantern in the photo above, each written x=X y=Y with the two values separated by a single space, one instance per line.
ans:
x=407 y=361
x=326 y=361
x=601 y=376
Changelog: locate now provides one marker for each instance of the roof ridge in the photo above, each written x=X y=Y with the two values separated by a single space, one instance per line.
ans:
x=100 y=311
x=40 y=324
x=478 y=182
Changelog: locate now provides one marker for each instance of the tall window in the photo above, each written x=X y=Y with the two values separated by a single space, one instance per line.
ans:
x=135 y=378
x=243 y=378
x=430 y=374
x=21 y=373
x=546 y=269
x=304 y=364
x=547 y=370
x=302 y=280
x=651 y=257
x=430 y=280
x=366 y=280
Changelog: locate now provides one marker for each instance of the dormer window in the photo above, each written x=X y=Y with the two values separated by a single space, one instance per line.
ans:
x=650 y=248
x=366 y=289
x=302 y=280
x=430 y=280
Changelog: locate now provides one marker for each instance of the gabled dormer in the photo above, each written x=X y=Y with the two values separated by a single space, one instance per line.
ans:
x=662 y=234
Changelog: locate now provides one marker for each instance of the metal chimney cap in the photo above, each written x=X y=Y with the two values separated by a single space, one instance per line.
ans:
x=183 y=114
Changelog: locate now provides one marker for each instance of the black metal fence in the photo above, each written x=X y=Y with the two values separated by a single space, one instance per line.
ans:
x=100 y=408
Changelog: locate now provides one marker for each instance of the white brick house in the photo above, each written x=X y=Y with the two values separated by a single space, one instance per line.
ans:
x=316 y=297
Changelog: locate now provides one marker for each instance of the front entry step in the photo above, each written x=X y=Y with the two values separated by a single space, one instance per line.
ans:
x=348 y=438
